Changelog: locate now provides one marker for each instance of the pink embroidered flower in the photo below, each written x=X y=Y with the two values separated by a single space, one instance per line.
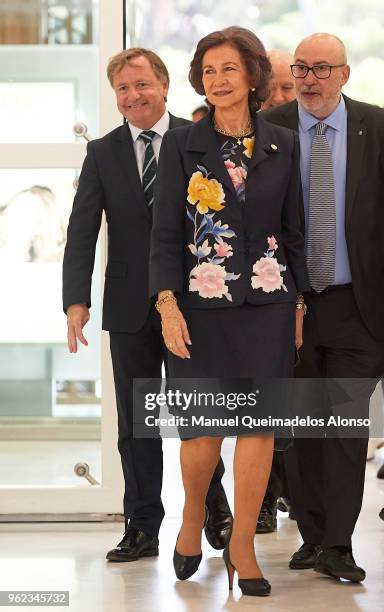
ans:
x=209 y=280
x=237 y=173
x=223 y=249
x=268 y=277
x=272 y=244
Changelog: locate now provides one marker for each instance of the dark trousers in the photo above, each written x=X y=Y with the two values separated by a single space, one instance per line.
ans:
x=277 y=483
x=326 y=474
x=140 y=355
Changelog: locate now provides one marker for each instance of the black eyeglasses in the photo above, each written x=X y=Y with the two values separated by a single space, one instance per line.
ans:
x=321 y=71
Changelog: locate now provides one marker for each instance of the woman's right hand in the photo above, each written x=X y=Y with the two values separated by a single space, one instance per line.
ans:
x=175 y=330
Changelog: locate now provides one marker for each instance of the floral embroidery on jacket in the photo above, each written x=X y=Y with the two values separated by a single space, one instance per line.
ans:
x=238 y=175
x=205 y=193
x=209 y=277
x=267 y=270
x=236 y=155
x=248 y=143
x=209 y=280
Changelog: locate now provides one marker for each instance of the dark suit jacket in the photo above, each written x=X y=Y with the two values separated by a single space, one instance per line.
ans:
x=190 y=161
x=110 y=181
x=364 y=218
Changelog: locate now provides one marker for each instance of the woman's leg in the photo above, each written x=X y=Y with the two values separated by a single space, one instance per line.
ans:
x=251 y=468
x=198 y=458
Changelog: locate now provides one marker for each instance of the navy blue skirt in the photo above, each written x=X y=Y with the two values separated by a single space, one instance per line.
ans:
x=242 y=342
x=233 y=347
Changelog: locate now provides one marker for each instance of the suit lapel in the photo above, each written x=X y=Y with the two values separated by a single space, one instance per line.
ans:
x=129 y=163
x=202 y=140
x=356 y=143
x=291 y=116
x=291 y=121
x=287 y=116
x=215 y=164
x=129 y=167
x=264 y=145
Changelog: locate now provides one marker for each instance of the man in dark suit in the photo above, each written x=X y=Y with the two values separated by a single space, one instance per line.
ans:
x=118 y=177
x=342 y=172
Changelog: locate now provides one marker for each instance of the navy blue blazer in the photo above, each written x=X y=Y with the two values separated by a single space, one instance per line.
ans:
x=211 y=248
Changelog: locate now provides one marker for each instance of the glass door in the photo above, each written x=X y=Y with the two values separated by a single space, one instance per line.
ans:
x=57 y=411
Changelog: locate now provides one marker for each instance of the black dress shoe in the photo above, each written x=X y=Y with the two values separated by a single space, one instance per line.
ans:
x=381 y=515
x=256 y=587
x=185 y=565
x=380 y=473
x=305 y=557
x=283 y=504
x=338 y=562
x=135 y=545
x=218 y=527
x=267 y=521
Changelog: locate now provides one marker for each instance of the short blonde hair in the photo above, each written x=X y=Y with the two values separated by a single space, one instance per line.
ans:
x=117 y=62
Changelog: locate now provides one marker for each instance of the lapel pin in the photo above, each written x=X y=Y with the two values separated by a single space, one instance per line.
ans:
x=360 y=132
x=274 y=147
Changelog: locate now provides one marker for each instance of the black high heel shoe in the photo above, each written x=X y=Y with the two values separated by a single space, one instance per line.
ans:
x=258 y=587
x=186 y=565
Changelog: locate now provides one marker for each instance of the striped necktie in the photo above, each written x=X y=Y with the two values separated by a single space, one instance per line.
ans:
x=149 y=165
x=321 y=243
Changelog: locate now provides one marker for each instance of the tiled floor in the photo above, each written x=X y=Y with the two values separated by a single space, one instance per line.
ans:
x=71 y=557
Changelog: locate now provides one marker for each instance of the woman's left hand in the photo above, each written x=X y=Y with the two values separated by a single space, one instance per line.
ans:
x=299 y=328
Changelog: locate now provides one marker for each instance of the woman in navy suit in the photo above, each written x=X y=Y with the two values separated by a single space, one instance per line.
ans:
x=227 y=264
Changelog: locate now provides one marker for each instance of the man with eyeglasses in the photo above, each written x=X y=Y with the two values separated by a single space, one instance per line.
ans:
x=342 y=172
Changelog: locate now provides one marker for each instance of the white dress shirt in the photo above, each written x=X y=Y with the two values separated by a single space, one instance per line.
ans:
x=139 y=145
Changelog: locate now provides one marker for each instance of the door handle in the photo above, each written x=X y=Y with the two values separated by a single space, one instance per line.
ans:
x=81 y=131
x=82 y=470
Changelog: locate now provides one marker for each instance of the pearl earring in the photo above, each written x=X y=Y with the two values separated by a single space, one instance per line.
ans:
x=253 y=88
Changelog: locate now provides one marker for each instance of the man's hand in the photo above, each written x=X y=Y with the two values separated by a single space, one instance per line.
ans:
x=77 y=317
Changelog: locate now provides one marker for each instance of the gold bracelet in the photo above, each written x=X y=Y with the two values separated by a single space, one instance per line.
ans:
x=167 y=298
x=166 y=292
x=301 y=306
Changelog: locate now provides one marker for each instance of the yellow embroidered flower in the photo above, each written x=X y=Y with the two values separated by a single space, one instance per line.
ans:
x=248 y=144
x=205 y=193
